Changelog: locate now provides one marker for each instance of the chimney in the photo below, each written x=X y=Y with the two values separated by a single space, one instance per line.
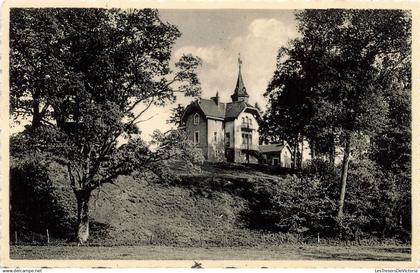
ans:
x=216 y=98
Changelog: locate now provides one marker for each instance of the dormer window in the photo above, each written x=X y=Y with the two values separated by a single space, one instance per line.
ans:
x=196 y=119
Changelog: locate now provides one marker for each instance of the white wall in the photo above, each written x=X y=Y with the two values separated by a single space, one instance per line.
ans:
x=238 y=131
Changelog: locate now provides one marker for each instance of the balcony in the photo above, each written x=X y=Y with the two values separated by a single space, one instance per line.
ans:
x=249 y=147
x=247 y=127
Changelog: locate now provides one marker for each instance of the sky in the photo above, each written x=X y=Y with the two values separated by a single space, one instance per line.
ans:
x=217 y=37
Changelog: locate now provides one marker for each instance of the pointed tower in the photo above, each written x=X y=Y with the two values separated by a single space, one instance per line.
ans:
x=240 y=93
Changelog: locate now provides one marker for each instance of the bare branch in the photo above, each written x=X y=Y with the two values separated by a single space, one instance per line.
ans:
x=135 y=104
x=142 y=112
x=143 y=120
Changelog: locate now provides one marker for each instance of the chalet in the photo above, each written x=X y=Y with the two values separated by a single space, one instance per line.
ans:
x=229 y=131
x=225 y=131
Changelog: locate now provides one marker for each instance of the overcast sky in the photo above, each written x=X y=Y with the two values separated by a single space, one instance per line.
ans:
x=217 y=36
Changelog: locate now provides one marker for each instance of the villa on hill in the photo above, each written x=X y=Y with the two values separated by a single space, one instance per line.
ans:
x=229 y=131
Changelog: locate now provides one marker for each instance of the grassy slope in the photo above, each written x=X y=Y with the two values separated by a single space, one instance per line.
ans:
x=204 y=209
x=196 y=213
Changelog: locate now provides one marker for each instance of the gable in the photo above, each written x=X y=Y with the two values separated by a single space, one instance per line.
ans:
x=221 y=111
x=233 y=110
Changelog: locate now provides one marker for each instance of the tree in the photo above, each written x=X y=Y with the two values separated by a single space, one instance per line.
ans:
x=341 y=71
x=289 y=106
x=176 y=115
x=359 y=49
x=99 y=72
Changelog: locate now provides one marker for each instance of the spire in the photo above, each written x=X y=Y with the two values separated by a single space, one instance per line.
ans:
x=240 y=93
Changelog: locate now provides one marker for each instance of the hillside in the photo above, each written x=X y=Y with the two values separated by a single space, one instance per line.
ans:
x=204 y=208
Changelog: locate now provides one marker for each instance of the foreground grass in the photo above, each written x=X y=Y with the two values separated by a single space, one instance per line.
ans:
x=283 y=252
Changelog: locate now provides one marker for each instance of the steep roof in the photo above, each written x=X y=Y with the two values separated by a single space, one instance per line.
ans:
x=225 y=111
x=271 y=148
x=233 y=109
x=211 y=109
x=240 y=90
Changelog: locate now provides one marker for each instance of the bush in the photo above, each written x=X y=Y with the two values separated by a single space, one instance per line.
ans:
x=307 y=203
x=294 y=205
x=35 y=205
x=372 y=200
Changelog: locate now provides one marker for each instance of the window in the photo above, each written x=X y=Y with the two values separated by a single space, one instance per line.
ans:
x=196 y=119
x=196 y=137
x=247 y=139
x=227 y=139
x=243 y=120
x=250 y=121
x=215 y=136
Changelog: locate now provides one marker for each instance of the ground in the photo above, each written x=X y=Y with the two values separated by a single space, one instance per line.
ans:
x=283 y=252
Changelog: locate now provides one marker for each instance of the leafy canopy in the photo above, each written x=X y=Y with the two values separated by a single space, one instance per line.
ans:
x=86 y=77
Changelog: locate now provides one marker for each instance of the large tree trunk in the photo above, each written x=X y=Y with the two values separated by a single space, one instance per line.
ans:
x=332 y=152
x=82 y=227
x=301 y=152
x=36 y=117
x=295 y=148
x=313 y=149
x=344 y=171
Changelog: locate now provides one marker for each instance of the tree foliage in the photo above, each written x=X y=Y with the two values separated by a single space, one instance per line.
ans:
x=340 y=85
x=175 y=118
x=86 y=77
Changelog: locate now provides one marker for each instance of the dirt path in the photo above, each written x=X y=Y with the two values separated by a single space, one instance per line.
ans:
x=285 y=252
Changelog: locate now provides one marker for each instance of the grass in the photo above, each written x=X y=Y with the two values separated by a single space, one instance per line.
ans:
x=283 y=252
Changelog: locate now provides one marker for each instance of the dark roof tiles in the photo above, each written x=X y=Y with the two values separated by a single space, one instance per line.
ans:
x=225 y=111
x=271 y=148
x=233 y=109
x=211 y=109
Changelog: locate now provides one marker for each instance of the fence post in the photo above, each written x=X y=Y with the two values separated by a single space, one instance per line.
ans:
x=48 y=237
x=16 y=237
x=318 y=237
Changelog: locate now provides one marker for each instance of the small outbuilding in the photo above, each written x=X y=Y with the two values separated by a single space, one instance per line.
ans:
x=277 y=154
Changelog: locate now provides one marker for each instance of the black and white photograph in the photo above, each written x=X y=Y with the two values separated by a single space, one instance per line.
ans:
x=210 y=134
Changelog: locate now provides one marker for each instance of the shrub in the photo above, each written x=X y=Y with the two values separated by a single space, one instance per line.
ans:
x=34 y=204
x=292 y=204
x=306 y=203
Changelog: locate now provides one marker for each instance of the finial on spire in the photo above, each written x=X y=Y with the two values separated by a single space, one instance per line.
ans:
x=239 y=61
